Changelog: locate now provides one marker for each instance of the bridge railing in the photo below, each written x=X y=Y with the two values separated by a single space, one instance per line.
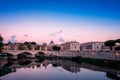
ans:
x=21 y=50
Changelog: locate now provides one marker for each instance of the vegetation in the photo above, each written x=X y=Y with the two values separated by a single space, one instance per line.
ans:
x=26 y=43
x=5 y=71
x=117 y=40
x=110 y=43
x=33 y=43
x=24 y=62
x=1 y=43
x=21 y=47
x=56 y=48
x=112 y=76
x=37 y=47
x=29 y=47
x=112 y=64
x=21 y=56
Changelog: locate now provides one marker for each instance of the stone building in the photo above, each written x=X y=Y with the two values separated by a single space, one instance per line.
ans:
x=44 y=46
x=92 y=46
x=117 y=47
x=11 y=46
x=106 y=48
x=20 y=46
x=49 y=47
x=70 y=46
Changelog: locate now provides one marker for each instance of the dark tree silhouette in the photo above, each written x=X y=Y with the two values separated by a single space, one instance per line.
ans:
x=110 y=43
x=33 y=43
x=1 y=43
x=56 y=48
x=117 y=40
x=26 y=43
x=37 y=47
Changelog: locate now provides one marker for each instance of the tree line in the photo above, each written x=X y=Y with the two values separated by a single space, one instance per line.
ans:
x=112 y=43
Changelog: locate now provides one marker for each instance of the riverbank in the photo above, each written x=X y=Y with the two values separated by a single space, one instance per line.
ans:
x=108 y=55
x=106 y=63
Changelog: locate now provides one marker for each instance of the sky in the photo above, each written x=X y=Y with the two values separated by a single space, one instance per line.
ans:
x=59 y=20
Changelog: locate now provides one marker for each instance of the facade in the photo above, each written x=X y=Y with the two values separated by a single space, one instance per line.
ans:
x=11 y=46
x=92 y=46
x=114 y=48
x=70 y=46
x=20 y=46
x=49 y=47
x=44 y=47
x=106 y=48
x=117 y=47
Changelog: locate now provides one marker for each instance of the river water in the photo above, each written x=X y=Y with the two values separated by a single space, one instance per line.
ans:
x=34 y=69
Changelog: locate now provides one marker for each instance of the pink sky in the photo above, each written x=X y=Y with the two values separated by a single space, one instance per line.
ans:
x=45 y=29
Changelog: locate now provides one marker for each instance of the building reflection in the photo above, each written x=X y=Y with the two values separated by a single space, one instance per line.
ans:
x=67 y=65
x=3 y=67
x=3 y=61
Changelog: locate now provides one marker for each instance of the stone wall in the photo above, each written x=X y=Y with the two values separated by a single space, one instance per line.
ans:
x=90 y=54
x=68 y=53
x=100 y=55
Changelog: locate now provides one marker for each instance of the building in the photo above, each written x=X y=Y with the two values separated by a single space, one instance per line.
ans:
x=21 y=46
x=70 y=46
x=44 y=46
x=49 y=47
x=92 y=46
x=11 y=46
x=117 y=47
x=106 y=48
x=51 y=43
x=114 y=48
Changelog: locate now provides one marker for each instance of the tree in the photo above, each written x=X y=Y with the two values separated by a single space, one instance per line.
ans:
x=56 y=48
x=33 y=43
x=110 y=43
x=117 y=40
x=1 y=43
x=26 y=43
x=21 y=47
x=37 y=47
x=29 y=47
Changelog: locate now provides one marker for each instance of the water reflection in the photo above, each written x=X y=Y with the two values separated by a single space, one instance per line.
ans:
x=64 y=69
x=3 y=61
x=113 y=76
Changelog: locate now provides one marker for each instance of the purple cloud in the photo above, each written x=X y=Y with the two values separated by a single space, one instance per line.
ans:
x=12 y=39
x=61 y=39
x=56 y=33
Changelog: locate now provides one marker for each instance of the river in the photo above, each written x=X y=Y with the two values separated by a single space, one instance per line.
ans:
x=35 y=69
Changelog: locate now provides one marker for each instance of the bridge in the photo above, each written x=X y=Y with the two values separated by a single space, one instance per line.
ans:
x=28 y=53
x=32 y=53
